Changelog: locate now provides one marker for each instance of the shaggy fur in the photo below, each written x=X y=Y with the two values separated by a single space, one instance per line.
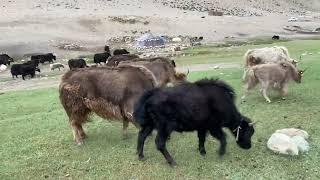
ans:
x=276 y=76
x=5 y=59
x=101 y=57
x=266 y=55
x=203 y=106
x=113 y=61
x=42 y=58
x=108 y=92
x=77 y=63
x=120 y=52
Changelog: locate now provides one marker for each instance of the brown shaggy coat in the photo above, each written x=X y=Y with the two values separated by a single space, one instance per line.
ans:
x=113 y=61
x=275 y=76
x=110 y=92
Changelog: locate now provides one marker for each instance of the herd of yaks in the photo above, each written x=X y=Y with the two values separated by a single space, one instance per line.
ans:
x=135 y=90
x=30 y=67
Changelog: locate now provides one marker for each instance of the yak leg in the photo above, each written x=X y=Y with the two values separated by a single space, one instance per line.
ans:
x=81 y=132
x=161 y=139
x=220 y=135
x=202 y=139
x=125 y=129
x=264 y=87
x=249 y=86
x=76 y=125
x=143 y=134
x=284 y=91
x=76 y=129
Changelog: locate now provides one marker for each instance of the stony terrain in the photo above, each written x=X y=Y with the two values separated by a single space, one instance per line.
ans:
x=246 y=7
x=31 y=26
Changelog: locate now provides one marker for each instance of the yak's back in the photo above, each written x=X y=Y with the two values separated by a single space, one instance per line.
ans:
x=217 y=84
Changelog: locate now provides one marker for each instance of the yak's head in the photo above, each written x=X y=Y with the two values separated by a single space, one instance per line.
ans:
x=180 y=78
x=244 y=132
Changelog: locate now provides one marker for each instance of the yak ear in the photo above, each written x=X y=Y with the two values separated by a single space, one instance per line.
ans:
x=253 y=123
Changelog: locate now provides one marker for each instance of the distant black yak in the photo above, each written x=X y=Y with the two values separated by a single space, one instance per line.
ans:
x=77 y=63
x=101 y=57
x=120 y=52
x=203 y=106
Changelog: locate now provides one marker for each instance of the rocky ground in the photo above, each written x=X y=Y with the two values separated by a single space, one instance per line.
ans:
x=75 y=28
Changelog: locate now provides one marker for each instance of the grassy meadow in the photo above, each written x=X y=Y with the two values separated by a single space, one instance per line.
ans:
x=37 y=143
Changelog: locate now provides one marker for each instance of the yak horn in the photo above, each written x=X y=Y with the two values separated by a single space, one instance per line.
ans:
x=305 y=69
x=253 y=123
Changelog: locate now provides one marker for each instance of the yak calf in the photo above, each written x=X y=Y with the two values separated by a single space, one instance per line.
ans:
x=275 y=76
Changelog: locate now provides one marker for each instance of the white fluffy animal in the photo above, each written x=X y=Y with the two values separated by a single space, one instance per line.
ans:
x=267 y=55
x=56 y=66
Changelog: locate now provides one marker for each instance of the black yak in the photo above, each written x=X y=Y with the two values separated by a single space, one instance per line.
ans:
x=5 y=59
x=77 y=63
x=101 y=57
x=42 y=58
x=120 y=52
x=204 y=106
x=24 y=70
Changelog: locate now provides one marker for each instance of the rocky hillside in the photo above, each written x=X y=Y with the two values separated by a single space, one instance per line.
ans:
x=246 y=7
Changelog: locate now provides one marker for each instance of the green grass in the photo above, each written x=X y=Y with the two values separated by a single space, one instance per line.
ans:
x=36 y=141
x=234 y=54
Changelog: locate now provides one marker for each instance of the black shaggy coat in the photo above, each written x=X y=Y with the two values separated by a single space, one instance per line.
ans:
x=203 y=106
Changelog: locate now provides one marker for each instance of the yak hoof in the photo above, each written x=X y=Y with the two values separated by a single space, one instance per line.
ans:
x=80 y=143
x=283 y=98
x=221 y=152
x=173 y=164
x=268 y=101
x=203 y=152
x=141 y=158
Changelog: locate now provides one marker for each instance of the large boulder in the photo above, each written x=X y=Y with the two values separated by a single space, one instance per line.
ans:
x=289 y=141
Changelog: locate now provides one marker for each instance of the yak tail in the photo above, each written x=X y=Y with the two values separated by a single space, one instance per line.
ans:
x=140 y=113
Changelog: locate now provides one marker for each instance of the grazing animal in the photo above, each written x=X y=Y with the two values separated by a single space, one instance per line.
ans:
x=56 y=66
x=276 y=76
x=108 y=92
x=24 y=70
x=204 y=106
x=276 y=37
x=42 y=58
x=113 y=61
x=161 y=68
x=5 y=59
x=33 y=63
x=77 y=63
x=101 y=57
x=120 y=52
x=266 y=55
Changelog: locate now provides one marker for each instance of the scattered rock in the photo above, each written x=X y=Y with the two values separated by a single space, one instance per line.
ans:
x=289 y=141
x=281 y=143
x=293 y=132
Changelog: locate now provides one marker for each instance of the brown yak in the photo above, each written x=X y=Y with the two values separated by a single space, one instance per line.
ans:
x=113 y=61
x=276 y=76
x=110 y=92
